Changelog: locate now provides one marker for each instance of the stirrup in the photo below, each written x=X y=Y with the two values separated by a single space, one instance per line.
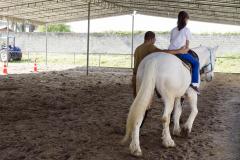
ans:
x=195 y=89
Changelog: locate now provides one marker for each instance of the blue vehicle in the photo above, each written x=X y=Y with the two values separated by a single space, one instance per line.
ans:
x=14 y=52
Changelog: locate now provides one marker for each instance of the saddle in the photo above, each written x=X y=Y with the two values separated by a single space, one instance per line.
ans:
x=186 y=63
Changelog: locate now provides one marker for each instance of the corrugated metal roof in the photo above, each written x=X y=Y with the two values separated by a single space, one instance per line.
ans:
x=45 y=11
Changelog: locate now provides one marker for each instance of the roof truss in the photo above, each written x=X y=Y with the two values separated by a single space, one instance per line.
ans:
x=52 y=11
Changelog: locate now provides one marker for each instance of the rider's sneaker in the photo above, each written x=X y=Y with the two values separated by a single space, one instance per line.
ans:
x=195 y=89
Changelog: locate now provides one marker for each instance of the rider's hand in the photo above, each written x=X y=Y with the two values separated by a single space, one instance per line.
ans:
x=183 y=50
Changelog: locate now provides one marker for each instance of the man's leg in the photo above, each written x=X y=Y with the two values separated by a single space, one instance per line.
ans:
x=134 y=85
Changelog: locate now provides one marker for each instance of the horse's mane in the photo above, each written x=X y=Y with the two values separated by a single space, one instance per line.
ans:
x=200 y=49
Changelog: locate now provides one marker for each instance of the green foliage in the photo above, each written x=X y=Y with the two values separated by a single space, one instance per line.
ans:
x=55 y=28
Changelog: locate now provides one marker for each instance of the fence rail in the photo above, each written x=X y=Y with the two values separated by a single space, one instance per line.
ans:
x=96 y=59
x=73 y=55
x=224 y=63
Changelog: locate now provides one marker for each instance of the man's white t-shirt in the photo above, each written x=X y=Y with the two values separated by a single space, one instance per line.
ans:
x=178 y=38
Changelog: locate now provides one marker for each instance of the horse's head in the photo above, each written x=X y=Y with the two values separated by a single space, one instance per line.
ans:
x=207 y=58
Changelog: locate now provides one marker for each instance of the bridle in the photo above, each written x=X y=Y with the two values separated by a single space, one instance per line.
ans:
x=203 y=70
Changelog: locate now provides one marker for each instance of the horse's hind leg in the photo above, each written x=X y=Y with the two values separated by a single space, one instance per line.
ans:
x=192 y=96
x=176 y=117
x=167 y=140
x=135 y=143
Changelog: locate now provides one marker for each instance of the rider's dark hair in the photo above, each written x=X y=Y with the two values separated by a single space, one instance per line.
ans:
x=149 y=35
x=182 y=17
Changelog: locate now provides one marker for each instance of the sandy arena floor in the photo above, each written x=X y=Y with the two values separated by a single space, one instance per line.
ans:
x=65 y=115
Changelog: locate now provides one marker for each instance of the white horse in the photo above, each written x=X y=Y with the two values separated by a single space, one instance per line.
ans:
x=171 y=78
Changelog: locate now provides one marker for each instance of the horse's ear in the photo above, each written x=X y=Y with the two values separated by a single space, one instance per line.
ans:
x=215 y=49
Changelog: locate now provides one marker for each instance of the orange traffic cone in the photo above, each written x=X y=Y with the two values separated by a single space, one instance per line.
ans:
x=35 y=67
x=5 y=72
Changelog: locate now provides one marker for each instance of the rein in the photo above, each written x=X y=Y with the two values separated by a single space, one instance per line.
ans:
x=202 y=71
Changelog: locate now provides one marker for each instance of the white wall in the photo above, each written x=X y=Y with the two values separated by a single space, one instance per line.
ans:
x=113 y=43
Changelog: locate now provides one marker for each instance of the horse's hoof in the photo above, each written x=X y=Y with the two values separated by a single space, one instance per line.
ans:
x=168 y=143
x=185 y=132
x=124 y=141
x=177 y=132
x=135 y=151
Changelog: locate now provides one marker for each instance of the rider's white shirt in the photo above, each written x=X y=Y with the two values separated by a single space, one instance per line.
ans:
x=178 y=38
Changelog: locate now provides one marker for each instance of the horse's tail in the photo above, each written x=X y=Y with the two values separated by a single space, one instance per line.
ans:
x=142 y=100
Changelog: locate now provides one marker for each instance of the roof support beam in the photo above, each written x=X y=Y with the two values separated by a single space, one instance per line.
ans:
x=88 y=34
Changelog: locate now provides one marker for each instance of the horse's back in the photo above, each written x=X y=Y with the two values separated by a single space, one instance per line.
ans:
x=165 y=61
x=170 y=72
x=161 y=57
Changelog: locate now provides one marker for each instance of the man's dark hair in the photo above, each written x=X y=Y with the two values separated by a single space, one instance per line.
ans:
x=182 y=16
x=149 y=35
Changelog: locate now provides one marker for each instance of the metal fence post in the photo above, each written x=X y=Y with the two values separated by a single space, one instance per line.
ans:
x=74 y=58
x=133 y=16
x=7 y=40
x=46 y=60
x=99 y=60
x=28 y=57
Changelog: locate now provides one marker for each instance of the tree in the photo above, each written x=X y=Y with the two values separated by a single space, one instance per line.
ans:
x=32 y=28
x=55 y=28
